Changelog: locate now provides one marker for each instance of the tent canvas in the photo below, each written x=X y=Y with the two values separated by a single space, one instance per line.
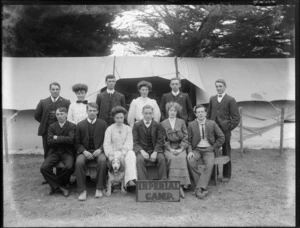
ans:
x=253 y=82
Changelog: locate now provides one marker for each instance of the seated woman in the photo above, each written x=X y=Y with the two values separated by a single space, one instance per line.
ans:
x=135 y=110
x=118 y=141
x=77 y=109
x=176 y=143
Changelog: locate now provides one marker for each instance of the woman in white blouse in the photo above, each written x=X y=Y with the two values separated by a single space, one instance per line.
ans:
x=77 y=110
x=136 y=106
x=118 y=141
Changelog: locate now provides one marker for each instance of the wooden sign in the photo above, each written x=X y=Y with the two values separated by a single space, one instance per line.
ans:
x=157 y=190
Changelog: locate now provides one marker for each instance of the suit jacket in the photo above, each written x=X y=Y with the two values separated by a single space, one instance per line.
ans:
x=65 y=137
x=140 y=136
x=82 y=135
x=183 y=99
x=102 y=101
x=225 y=113
x=42 y=112
x=215 y=136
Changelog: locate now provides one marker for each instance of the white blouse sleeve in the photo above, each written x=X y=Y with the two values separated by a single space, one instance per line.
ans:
x=157 y=113
x=70 y=116
x=128 y=143
x=131 y=113
x=107 y=145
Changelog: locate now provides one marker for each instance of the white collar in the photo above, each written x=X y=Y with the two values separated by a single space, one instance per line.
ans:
x=172 y=120
x=202 y=122
x=147 y=124
x=54 y=99
x=62 y=124
x=91 y=121
x=110 y=91
x=175 y=94
x=223 y=94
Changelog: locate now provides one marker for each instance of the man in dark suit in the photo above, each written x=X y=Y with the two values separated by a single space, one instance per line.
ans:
x=89 y=147
x=205 y=138
x=61 y=138
x=148 y=141
x=108 y=99
x=45 y=112
x=181 y=98
x=224 y=111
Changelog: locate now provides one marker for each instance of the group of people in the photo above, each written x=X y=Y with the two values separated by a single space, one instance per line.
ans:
x=167 y=136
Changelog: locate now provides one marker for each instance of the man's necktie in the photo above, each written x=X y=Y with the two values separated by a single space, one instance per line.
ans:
x=147 y=122
x=202 y=125
x=84 y=102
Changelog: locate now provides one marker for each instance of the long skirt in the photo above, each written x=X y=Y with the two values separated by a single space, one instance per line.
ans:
x=130 y=167
x=177 y=167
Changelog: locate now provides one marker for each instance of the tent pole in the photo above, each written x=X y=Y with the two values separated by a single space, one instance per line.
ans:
x=281 y=131
x=241 y=131
x=176 y=67
x=114 y=65
x=5 y=138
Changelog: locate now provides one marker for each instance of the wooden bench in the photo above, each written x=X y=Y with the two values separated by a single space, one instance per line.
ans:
x=90 y=171
x=219 y=160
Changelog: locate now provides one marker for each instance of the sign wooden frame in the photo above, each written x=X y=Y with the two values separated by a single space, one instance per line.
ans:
x=157 y=191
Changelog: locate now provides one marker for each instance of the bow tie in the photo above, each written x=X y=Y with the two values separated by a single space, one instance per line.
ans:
x=84 y=102
x=220 y=95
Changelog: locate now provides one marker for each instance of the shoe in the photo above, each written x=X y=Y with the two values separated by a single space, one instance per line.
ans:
x=82 y=196
x=64 y=191
x=98 y=193
x=131 y=183
x=185 y=187
x=51 y=191
x=200 y=194
x=181 y=192
x=225 y=179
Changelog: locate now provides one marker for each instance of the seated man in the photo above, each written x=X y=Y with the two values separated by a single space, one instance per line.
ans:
x=89 y=147
x=148 y=140
x=205 y=137
x=61 y=137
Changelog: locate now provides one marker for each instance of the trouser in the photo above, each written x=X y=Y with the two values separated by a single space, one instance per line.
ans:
x=80 y=170
x=142 y=168
x=226 y=150
x=61 y=179
x=45 y=144
x=201 y=179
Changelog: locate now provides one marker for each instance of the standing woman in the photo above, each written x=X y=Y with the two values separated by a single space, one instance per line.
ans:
x=118 y=141
x=136 y=106
x=77 y=109
x=176 y=143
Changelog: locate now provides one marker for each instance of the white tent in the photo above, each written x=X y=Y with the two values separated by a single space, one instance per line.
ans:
x=255 y=83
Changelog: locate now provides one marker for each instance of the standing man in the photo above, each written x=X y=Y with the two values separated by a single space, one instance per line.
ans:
x=148 y=141
x=89 y=147
x=205 y=138
x=181 y=98
x=109 y=99
x=224 y=111
x=45 y=113
x=61 y=139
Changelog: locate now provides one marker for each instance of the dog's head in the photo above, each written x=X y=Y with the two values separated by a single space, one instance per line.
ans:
x=116 y=165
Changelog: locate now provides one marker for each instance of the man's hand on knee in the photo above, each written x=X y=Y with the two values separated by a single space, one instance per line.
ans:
x=144 y=154
x=190 y=155
x=153 y=156
x=88 y=155
x=96 y=153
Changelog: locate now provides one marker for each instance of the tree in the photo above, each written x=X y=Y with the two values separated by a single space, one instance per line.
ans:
x=57 y=30
x=215 y=30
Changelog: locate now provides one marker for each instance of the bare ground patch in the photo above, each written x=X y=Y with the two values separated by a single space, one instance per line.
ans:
x=260 y=193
